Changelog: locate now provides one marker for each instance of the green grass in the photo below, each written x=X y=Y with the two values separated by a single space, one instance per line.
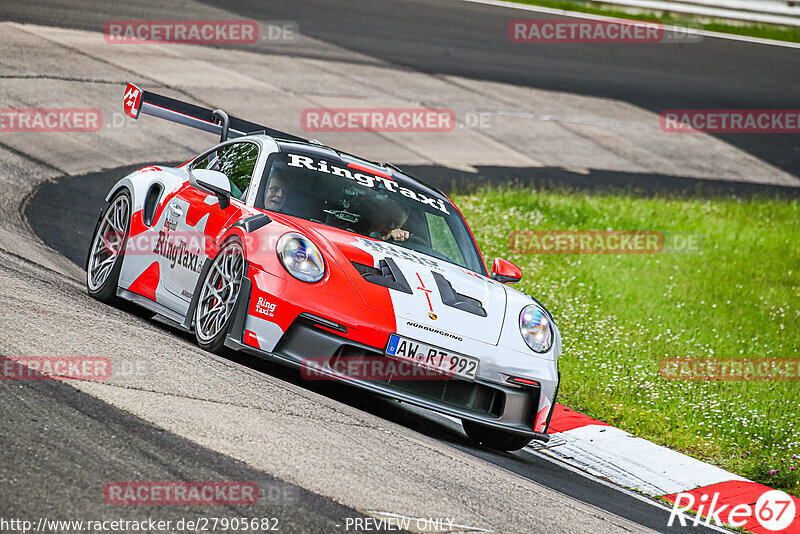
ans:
x=619 y=315
x=763 y=31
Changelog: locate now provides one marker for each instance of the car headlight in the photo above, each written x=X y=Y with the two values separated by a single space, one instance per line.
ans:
x=300 y=257
x=534 y=325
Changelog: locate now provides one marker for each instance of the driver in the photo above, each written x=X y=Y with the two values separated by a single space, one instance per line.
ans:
x=276 y=194
x=387 y=222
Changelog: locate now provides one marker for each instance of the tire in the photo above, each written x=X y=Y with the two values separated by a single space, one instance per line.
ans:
x=494 y=439
x=107 y=249
x=219 y=292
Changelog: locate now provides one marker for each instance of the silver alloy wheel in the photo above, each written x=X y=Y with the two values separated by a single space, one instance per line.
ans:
x=108 y=242
x=219 y=292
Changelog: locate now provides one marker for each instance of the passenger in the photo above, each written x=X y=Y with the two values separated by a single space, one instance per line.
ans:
x=276 y=194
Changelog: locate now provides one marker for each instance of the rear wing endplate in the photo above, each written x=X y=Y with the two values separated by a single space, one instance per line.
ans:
x=214 y=121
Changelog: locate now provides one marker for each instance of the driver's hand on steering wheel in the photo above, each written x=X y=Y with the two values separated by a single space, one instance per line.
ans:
x=397 y=234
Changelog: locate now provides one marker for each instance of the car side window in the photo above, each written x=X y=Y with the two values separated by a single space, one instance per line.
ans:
x=237 y=161
x=209 y=161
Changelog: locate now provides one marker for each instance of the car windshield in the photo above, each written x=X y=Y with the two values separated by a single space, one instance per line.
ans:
x=369 y=203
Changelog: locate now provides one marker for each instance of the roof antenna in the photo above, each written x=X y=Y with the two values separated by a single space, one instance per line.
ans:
x=224 y=121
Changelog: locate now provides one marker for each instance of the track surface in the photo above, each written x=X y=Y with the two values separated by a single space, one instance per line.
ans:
x=56 y=433
x=63 y=215
x=446 y=37
x=471 y=40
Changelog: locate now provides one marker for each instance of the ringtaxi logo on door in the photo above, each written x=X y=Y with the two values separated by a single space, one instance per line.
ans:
x=774 y=511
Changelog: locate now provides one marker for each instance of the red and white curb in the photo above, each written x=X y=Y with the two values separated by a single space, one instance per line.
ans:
x=623 y=459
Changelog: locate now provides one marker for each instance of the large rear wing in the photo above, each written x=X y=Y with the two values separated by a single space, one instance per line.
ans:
x=214 y=121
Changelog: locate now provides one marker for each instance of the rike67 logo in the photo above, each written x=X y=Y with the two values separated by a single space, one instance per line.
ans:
x=774 y=511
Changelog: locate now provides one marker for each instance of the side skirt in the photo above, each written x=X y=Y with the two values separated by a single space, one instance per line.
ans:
x=172 y=317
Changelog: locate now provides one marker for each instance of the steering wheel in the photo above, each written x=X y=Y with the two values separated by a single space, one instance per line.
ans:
x=415 y=239
x=411 y=239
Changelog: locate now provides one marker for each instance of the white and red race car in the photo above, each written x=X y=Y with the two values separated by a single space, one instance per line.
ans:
x=348 y=269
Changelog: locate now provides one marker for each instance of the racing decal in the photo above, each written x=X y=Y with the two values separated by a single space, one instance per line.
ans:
x=366 y=312
x=416 y=309
x=261 y=333
x=178 y=252
x=541 y=416
x=137 y=225
x=137 y=219
x=198 y=206
x=265 y=308
x=147 y=282
x=380 y=247
x=216 y=219
x=471 y=273
x=151 y=168
x=434 y=330
x=187 y=231
x=196 y=209
x=367 y=180
x=132 y=101
x=426 y=291
x=250 y=338
x=376 y=172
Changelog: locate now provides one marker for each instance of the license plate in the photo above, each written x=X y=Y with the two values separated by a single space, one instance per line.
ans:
x=430 y=357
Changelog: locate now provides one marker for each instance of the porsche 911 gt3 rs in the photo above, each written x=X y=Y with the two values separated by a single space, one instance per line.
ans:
x=299 y=253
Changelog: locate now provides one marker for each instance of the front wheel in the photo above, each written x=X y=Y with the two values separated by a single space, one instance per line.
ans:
x=218 y=295
x=493 y=438
x=108 y=248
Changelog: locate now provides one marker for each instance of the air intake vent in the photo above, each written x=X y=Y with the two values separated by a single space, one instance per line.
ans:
x=457 y=300
x=387 y=274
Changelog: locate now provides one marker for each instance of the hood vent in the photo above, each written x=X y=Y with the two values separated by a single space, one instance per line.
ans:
x=457 y=300
x=387 y=274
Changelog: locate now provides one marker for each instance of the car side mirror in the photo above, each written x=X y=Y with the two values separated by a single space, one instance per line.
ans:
x=505 y=272
x=213 y=182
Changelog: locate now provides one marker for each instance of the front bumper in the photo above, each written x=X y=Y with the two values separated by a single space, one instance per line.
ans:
x=511 y=408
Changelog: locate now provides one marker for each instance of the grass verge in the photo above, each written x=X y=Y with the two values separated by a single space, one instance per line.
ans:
x=620 y=315
x=763 y=31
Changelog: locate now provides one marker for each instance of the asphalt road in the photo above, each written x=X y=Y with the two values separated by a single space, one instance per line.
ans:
x=445 y=37
x=55 y=434
x=63 y=215
x=471 y=40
